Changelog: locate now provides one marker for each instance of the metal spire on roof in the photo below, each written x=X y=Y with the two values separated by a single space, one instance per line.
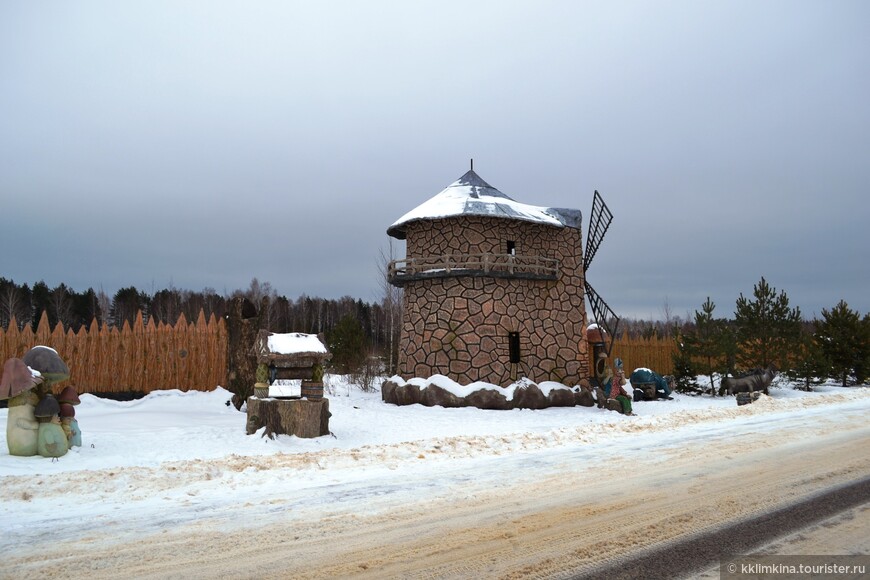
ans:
x=471 y=195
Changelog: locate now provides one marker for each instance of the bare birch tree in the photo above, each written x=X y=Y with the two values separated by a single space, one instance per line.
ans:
x=10 y=303
x=391 y=298
x=61 y=305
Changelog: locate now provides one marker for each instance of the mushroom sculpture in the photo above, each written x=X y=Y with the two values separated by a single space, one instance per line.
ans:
x=49 y=364
x=52 y=441
x=68 y=398
x=17 y=385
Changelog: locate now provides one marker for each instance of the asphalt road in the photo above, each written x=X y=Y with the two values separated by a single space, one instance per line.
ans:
x=693 y=554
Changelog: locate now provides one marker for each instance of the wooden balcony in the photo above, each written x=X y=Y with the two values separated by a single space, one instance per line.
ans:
x=400 y=272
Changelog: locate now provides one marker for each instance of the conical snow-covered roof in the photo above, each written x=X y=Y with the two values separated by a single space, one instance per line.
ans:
x=472 y=196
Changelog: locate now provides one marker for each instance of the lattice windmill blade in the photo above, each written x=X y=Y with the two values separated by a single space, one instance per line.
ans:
x=599 y=221
x=603 y=314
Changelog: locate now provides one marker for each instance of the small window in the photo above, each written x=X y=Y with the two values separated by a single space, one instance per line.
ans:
x=512 y=248
x=514 y=346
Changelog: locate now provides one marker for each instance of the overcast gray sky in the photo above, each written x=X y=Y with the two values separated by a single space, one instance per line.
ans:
x=201 y=144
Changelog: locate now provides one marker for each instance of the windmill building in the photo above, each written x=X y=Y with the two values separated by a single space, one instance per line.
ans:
x=493 y=288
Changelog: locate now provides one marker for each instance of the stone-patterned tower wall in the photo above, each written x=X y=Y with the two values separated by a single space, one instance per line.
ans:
x=459 y=326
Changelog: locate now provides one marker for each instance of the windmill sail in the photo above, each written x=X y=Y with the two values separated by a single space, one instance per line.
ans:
x=603 y=315
x=599 y=221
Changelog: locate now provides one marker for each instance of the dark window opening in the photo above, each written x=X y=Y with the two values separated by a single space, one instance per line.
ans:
x=512 y=248
x=514 y=346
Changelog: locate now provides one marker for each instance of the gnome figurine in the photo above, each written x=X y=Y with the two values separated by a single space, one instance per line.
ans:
x=17 y=385
x=620 y=373
x=22 y=428
x=67 y=416
x=68 y=398
x=51 y=440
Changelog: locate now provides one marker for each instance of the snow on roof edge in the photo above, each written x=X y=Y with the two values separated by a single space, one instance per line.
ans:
x=295 y=343
x=471 y=195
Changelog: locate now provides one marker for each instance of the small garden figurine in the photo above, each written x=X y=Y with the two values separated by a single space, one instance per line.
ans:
x=22 y=428
x=68 y=399
x=52 y=441
x=620 y=372
x=67 y=416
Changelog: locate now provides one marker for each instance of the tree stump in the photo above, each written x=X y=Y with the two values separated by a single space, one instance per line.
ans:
x=300 y=417
x=243 y=322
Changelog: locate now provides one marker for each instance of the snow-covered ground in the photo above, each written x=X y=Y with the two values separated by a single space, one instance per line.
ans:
x=172 y=425
x=175 y=459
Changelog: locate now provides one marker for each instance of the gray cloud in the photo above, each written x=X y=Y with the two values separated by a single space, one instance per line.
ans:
x=205 y=144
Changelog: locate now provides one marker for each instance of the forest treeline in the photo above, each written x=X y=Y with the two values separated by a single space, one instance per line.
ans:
x=767 y=332
x=764 y=329
x=306 y=313
x=309 y=314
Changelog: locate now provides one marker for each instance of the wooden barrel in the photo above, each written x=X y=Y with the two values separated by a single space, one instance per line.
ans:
x=312 y=390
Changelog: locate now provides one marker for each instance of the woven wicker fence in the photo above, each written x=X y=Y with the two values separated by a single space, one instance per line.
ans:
x=144 y=358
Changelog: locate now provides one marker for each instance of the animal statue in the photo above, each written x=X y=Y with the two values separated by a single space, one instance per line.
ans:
x=757 y=380
x=650 y=385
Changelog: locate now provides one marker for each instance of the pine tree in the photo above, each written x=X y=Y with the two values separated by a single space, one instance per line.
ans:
x=810 y=362
x=685 y=373
x=767 y=329
x=126 y=303
x=862 y=369
x=705 y=343
x=845 y=341
x=39 y=303
x=729 y=348
x=347 y=343
x=86 y=308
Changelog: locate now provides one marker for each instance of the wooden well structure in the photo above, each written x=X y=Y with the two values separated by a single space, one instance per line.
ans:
x=291 y=356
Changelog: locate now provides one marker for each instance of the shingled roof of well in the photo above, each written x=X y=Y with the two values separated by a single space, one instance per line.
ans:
x=472 y=196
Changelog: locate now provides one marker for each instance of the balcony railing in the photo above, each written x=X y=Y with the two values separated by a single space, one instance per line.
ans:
x=401 y=272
